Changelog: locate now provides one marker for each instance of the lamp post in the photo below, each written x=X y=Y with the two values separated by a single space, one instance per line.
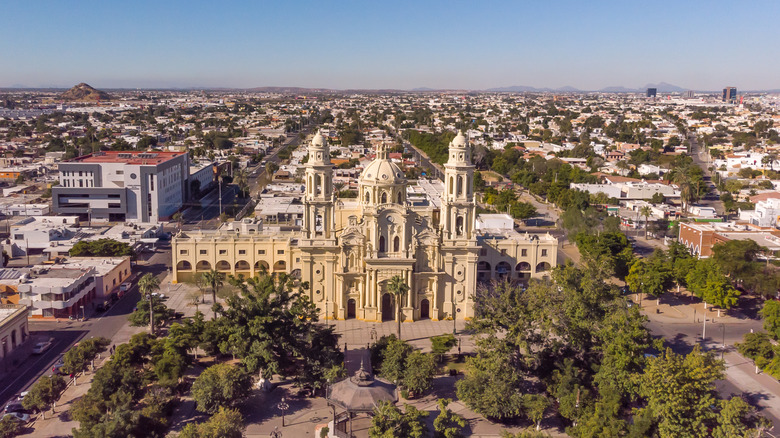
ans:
x=283 y=406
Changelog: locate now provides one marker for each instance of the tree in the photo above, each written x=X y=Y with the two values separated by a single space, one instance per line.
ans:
x=648 y=276
x=101 y=248
x=78 y=358
x=9 y=427
x=148 y=285
x=737 y=258
x=398 y=288
x=45 y=392
x=738 y=419
x=214 y=279
x=771 y=314
x=535 y=406
x=419 y=371
x=603 y=420
x=680 y=391
x=394 y=360
x=140 y=317
x=241 y=179
x=221 y=385
x=389 y=422
x=226 y=423
x=441 y=344
x=707 y=282
x=491 y=386
x=448 y=424
x=646 y=211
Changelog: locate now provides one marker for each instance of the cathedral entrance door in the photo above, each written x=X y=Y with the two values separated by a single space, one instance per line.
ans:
x=387 y=307
x=425 y=307
x=350 y=308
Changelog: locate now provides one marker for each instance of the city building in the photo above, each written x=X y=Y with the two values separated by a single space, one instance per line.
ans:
x=651 y=92
x=730 y=94
x=765 y=214
x=349 y=249
x=13 y=331
x=56 y=291
x=114 y=186
x=700 y=237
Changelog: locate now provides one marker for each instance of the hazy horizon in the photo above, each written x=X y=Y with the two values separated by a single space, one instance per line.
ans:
x=696 y=45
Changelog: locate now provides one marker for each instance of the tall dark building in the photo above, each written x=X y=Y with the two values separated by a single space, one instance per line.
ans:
x=730 y=94
x=652 y=92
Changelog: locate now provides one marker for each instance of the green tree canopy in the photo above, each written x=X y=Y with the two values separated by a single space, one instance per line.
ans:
x=101 y=248
x=221 y=385
x=389 y=422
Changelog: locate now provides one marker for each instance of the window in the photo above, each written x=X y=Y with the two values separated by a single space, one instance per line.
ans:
x=503 y=252
x=524 y=253
x=261 y=252
x=544 y=253
x=183 y=252
x=18 y=236
x=279 y=251
x=203 y=252
x=241 y=252
x=120 y=172
x=297 y=260
x=222 y=251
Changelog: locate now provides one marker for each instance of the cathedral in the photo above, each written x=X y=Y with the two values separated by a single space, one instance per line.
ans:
x=349 y=249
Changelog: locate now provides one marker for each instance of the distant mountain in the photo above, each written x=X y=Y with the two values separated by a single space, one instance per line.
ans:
x=517 y=89
x=288 y=90
x=84 y=93
x=423 y=89
x=618 y=89
x=568 y=89
x=663 y=87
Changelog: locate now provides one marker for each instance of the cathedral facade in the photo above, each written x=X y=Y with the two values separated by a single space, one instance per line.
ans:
x=349 y=249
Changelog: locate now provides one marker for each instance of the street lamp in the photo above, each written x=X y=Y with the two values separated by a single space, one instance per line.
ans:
x=283 y=406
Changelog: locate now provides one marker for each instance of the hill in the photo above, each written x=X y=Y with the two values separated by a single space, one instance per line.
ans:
x=84 y=93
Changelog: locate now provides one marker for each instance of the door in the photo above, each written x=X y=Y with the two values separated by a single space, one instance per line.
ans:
x=351 y=309
x=387 y=308
x=425 y=309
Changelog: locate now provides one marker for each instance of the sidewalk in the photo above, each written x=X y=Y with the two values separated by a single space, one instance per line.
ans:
x=761 y=389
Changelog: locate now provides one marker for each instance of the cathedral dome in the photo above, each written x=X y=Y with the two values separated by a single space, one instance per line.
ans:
x=318 y=140
x=459 y=140
x=382 y=172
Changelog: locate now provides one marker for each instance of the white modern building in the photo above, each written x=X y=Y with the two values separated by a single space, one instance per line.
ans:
x=766 y=213
x=116 y=186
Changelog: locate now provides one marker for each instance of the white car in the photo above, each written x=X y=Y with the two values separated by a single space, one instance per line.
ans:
x=18 y=416
x=41 y=347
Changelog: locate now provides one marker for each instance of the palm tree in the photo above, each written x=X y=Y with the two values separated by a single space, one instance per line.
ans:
x=398 y=287
x=214 y=279
x=242 y=181
x=646 y=211
x=148 y=284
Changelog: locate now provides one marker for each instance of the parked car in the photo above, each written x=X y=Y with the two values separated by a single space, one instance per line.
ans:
x=124 y=287
x=57 y=367
x=41 y=347
x=14 y=406
x=18 y=416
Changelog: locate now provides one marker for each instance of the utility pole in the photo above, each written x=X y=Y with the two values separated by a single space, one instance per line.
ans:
x=151 y=313
x=704 y=329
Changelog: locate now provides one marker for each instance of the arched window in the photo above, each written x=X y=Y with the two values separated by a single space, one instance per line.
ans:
x=384 y=197
x=381 y=243
x=399 y=198
x=460 y=185
x=183 y=265
x=317 y=184
x=459 y=226
x=396 y=244
x=311 y=185
x=452 y=183
x=368 y=197
x=203 y=266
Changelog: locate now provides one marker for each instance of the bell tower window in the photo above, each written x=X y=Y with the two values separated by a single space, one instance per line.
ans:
x=396 y=244
x=384 y=197
x=381 y=243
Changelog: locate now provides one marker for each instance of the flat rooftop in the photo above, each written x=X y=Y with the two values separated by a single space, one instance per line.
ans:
x=151 y=158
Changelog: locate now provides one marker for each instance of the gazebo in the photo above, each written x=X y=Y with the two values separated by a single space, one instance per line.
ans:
x=358 y=394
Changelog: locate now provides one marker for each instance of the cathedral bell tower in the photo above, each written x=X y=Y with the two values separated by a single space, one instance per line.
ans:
x=319 y=215
x=458 y=208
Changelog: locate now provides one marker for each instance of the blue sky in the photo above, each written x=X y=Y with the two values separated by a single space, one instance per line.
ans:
x=695 y=44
